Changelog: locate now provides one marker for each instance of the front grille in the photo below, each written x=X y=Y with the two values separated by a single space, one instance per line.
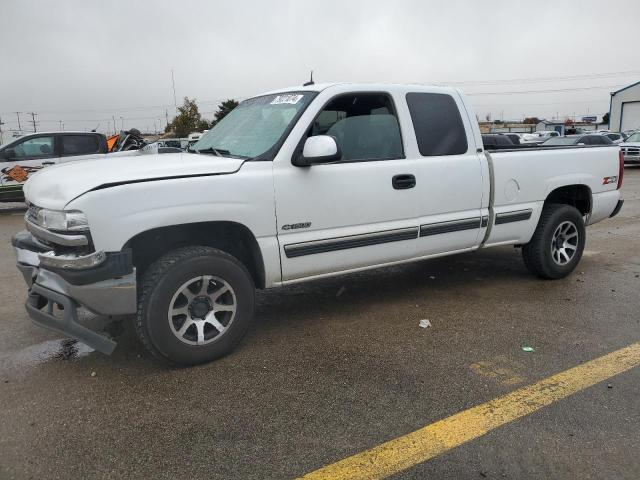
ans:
x=634 y=151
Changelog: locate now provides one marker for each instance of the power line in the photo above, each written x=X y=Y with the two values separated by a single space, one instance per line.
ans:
x=173 y=83
x=558 y=90
x=33 y=120
x=561 y=78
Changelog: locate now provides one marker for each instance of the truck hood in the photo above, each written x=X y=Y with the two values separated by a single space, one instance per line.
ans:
x=54 y=187
x=629 y=144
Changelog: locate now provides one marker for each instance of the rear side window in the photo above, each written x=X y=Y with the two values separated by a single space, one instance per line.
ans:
x=79 y=144
x=437 y=123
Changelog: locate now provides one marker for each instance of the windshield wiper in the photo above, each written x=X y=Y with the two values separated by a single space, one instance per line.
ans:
x=218 y=152
x=221 y=152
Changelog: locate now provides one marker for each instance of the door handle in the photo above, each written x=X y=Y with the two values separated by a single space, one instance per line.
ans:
x=403 y=181
x=48 y=163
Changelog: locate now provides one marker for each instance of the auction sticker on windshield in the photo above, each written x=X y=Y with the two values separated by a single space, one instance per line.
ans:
x=292 y=99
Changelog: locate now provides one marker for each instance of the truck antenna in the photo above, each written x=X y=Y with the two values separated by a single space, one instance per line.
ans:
x=310 y=82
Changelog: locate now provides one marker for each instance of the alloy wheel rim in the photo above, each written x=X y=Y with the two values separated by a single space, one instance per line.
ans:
x=564 y=243
x=202 y=310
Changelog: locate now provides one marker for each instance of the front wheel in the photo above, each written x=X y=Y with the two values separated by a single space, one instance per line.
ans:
x=557 y=244
x=195 y=305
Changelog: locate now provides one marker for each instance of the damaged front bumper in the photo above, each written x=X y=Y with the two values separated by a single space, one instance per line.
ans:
x=104 y=283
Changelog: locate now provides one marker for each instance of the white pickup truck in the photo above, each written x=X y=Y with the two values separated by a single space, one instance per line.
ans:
x=295 y=185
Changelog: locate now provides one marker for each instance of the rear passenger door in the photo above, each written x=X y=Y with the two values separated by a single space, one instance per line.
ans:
x=450 y=174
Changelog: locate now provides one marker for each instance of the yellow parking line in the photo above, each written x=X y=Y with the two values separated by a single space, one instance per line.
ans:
x=432 y=440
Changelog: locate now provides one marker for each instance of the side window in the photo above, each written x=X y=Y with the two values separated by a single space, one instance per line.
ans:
x=364 y=125
x=79 y=144
x=38 y=147
x=437 y=123
x=586 y=140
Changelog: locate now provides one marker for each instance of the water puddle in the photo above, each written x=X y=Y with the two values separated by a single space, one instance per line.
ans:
x=51 y=350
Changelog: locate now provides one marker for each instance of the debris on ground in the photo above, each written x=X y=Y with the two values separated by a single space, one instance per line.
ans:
x=341 y=291
x=93 y=374
x=424 y=323
x=609 y=385
x=526 y=348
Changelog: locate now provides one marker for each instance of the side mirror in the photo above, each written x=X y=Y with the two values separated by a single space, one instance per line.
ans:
x=318 y=149
x=8 y=153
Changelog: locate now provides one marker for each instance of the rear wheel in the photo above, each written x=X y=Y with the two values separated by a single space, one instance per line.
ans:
x=557 y=244
x=195 y=305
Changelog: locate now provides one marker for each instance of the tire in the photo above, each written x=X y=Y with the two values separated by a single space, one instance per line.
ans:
x=542 y=255
x=203 y=286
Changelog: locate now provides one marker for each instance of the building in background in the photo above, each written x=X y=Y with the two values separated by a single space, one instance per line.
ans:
x=564 y=128
x=624 y=109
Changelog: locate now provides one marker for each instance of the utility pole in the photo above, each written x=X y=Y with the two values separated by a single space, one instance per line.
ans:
x=33 y=120
x=60 y=122
x=121 y=123
x=173 y=83
x=166 y=116
x=1 y=123
x=18 y=116
x=114 y=124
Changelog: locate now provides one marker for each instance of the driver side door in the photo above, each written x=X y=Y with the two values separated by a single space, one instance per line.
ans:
x=355 y=212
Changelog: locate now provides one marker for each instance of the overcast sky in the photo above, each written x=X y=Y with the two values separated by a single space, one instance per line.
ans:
x=84 y=62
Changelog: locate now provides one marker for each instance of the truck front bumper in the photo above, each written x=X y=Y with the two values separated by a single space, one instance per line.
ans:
x=55 y=294
x=631 y=159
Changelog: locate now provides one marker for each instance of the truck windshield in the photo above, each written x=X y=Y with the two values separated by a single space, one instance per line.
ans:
x=255 y=126
x=634 y=138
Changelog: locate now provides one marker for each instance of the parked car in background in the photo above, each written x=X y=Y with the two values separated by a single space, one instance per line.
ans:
x=539 y=137
x=515 y=138
x=585 y=139
x=496 y=140
x=615 y=137
x=631 y=149
x=171 y=142
x=26 y=155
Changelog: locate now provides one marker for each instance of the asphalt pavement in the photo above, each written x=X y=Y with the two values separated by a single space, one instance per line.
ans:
x=336 y=367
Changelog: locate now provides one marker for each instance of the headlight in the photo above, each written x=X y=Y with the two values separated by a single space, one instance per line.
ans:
x=72 y=220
